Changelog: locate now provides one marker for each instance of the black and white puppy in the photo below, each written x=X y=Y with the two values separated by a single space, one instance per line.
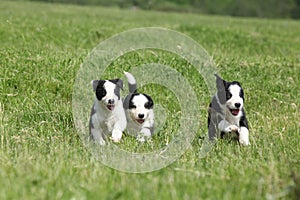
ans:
x=139 y=111
x=226 y=116
x=107 y=116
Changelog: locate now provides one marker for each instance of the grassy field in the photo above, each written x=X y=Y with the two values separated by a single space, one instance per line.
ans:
x=42 y=156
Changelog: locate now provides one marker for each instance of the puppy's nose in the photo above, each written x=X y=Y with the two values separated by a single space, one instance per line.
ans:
x=141 y=116
x=111 y=101
x=237 y=105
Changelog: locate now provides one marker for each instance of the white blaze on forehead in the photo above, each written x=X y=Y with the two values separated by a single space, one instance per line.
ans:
x=235 y=90
x=235 y=98
x=110 y=88
x=139 y=100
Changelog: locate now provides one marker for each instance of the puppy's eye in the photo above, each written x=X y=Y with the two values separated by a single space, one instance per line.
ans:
x=148 y=105
x=100 y=93
x=131 y=105
x=228 y=95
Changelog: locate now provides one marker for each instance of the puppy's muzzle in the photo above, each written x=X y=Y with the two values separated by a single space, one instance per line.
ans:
x=111 y=104
x=140 y=119
x=235 y=111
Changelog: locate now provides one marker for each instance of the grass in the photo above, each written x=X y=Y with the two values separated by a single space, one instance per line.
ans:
x=42 y=156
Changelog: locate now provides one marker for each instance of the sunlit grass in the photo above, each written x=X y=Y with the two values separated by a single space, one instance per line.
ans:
x=42 y=156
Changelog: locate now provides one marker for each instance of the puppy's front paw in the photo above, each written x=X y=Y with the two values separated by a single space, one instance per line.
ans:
x=144 y=135
x=101 y=142
x=244 y=136
x=116 y=135
x=232 y=128
x=116 y=140
x=141 y=138
x=244 y=142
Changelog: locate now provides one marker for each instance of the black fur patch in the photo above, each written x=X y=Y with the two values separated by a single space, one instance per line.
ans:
x=242 y=93
x=243 y=120
x=100 y=90
x=149 y=104
x=131 y=105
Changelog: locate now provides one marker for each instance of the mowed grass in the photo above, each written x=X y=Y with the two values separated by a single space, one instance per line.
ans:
x=42 y=156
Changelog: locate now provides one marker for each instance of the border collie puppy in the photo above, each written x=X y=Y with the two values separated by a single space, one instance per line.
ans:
x=226 y=115
x=107 y=116
x=139 y=111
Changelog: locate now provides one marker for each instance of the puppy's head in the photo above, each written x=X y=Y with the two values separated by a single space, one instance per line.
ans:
x=230 y=94
x=108 y=92
x=139 y=107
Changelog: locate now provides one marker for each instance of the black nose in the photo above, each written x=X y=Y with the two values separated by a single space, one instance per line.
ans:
x=141 y=116
x=111 y=101
x=237 y=105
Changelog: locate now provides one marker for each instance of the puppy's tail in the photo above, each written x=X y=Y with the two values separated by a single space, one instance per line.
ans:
x=131 y=82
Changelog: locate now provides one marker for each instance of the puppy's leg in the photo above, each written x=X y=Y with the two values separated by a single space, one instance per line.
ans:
x=224 y=126
x=97 y=136
x=116 y=133
x=144 y=134
x=244 y=136
x=244 y=132
x=212 y=132
x=212 y=123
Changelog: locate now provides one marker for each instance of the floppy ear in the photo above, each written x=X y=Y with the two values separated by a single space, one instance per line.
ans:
x=149 y=104
x=118 y=82
x=94 y=84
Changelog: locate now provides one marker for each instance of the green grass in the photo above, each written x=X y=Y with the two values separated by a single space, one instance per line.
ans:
x=42 y=156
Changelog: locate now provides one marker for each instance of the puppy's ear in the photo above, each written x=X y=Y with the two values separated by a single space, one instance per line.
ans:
x=242 y=94
x=118 y=82
x=221 y=87
x=126 y=101
x=94 y=83
x=221 y=84
x=149 y=104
